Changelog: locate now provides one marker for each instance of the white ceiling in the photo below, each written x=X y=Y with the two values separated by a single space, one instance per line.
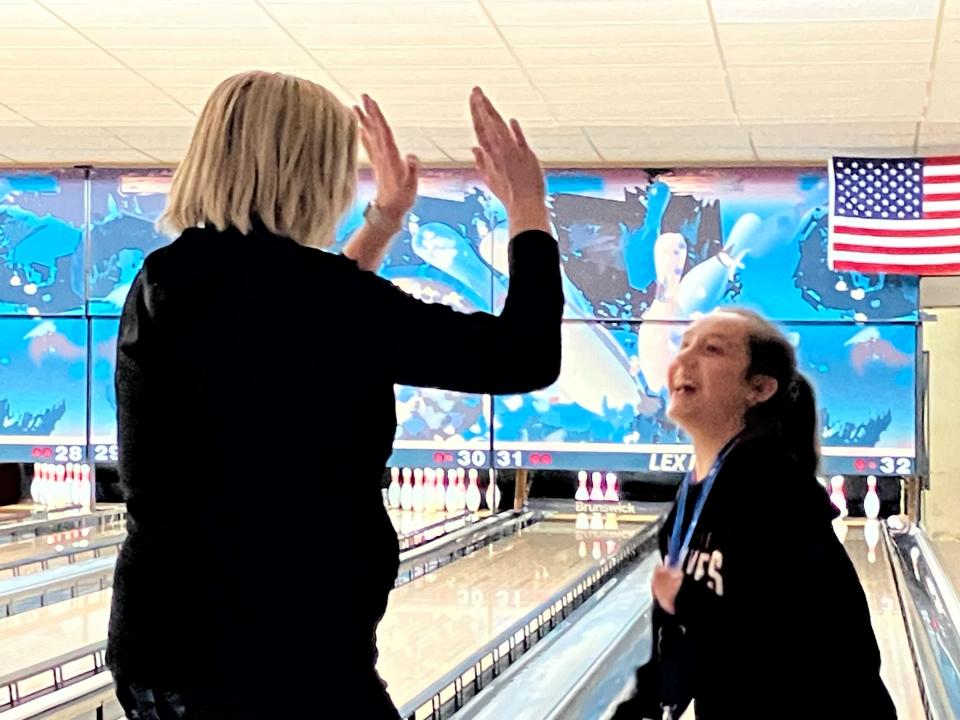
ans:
x=594 y=82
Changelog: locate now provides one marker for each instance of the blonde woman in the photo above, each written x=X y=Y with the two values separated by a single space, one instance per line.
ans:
x=241 y=343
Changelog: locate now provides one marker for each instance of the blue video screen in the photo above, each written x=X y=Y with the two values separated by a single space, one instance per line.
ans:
x=43 y=390
x=124 y=207
x=41 y=243
x=437 y=257
x=609 y=406
x=103 y=394
x=677 y=245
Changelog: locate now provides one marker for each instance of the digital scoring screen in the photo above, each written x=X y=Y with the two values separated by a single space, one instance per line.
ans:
x=43 y=389
x=41 y=243
x=608 y=410
x=124 y=207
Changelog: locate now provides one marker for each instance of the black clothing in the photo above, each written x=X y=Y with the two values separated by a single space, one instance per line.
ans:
x=771 y=619
x=236 y=350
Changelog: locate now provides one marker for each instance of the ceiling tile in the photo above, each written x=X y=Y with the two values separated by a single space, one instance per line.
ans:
x=411 y=55
x=456 y=93
x=589 y=35
x=786 y=134
x=639 y=94
x=864 y=72
x=59 y=138
x=676 y=156
x=843 y=109
x=429 y=76
x=133 y=14
x=681 y=111
x=947 y=72
x=364 y=36
x=949 y=49
x=821 y=155
x=39 y=79
x=210 y=77
x=48 y=38
x=944 y=102
x=649 y=55
x=620 y=75
x=818 y=32
x=938 y=146
x=65 y=57
x=57 y=112
x=79 y=156
x=9 y=118
x=235 y=57
x=814 y=53
x=167 y=138
x=190 y=36
x=770 y=95
x=400 y=111
x=27 y=14
x=564 y=12
x=409 y=12
x=936 y=130
x=633 y=134
x=81 y=95
x=813 y=10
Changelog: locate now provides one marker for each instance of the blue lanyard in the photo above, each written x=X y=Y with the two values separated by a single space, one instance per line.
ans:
x=677 y=553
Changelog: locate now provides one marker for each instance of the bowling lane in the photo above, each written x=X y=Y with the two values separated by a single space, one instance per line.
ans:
x=408 y=523
x=32 y=639
x=436 y=622
x=876 y=575
x=23 y=556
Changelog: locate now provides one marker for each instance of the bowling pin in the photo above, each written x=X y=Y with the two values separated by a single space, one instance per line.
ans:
x=42 y=484
x=836 y=494
x=596 y=521
x=611 y=522
x=35 y=484
x=393 y=492
x=493 y=493
x=440 y=491
x=871 y=535
x=597 y=552
x=582 y=493
x=596 y=493
x=582 y=549
x=406 y=490
x=416 y=495
x=611 y=495
x=429 y=490
x=63 y=491
x=473 y=496
x=461 y=489
x=611 y=547
x=871 y=503
x=73 y=480
x=582 y=522
x=840 y=529
x=86 y=487
x=450 y=501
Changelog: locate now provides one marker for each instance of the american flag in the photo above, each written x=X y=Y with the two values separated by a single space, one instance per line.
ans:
x=895 y=215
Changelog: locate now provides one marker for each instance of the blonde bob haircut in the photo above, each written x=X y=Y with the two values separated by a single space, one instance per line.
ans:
x=267 y=147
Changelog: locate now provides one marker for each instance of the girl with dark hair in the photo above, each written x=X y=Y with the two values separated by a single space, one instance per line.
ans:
x=758 y=610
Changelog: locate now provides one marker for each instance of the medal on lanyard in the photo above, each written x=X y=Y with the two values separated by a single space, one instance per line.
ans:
x=679 y=546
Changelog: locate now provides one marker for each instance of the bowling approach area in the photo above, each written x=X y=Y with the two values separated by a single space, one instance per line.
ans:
x=533 y=602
